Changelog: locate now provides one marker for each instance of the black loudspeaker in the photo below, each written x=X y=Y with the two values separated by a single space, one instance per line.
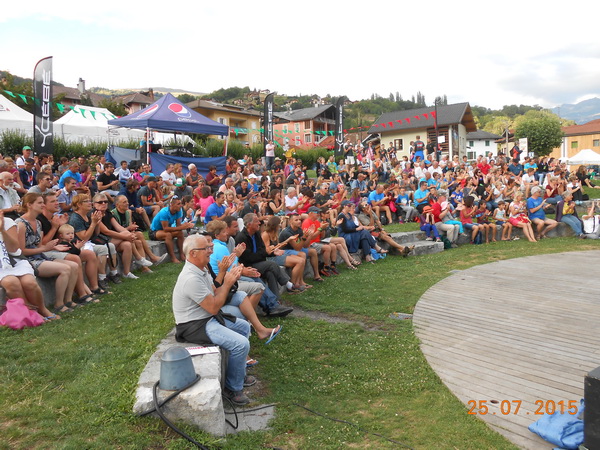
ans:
x=134 y=164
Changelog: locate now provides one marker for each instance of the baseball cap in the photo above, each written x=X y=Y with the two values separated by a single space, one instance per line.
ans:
x=347 y=202
x=314 y=209
x=427 y=209
x=151 y=179
x=179 y=182
x=26 y=147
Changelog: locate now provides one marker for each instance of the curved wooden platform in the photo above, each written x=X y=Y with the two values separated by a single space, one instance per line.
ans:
x=521 y=329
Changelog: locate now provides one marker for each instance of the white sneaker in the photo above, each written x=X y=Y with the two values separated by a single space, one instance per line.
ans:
x=131 y=276
x=144 y=262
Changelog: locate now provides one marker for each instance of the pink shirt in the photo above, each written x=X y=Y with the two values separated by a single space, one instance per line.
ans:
x=205 y=203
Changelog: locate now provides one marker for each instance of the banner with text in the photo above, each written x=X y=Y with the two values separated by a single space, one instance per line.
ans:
x=268 y=118
x=42 y=111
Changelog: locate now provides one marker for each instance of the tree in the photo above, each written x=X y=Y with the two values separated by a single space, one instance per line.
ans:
x=542 y=130
x=117 y=108
x=186 y=98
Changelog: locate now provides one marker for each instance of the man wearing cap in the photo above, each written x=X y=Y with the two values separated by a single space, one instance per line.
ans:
x=181 y=190
x=20 y=163
x=253 y=183
x=251 y=206
x=440 y=209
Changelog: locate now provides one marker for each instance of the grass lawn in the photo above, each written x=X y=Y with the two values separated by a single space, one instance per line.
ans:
x=71 y=383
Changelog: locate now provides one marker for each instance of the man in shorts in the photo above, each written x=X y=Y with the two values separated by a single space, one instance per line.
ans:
x=166 y=226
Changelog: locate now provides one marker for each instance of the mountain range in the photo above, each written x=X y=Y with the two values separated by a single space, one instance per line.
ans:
x=582 y=112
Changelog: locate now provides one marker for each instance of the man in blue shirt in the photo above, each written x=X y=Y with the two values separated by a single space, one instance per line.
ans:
x=166 y=226
x=515 y=168
x=377 y=199
x=72 y=172
x=217 y=210
x=360 y=184
x=535 y=207
x=421 y=196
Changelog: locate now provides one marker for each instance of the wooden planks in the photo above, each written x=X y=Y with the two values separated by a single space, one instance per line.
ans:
x=522 y=329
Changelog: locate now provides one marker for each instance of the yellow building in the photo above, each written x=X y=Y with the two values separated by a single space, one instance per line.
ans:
x=244 y=124
x=577 y=138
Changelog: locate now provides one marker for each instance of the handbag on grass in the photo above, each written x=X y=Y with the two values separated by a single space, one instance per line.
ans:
x=18 y=316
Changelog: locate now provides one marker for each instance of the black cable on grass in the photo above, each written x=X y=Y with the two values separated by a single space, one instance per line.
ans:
x=352 y=424
x=169 y=423
x=172 y=396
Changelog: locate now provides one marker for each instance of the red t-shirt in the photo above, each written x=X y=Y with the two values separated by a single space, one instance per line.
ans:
x=485 y=168
x=316 y=224
x=436 y=210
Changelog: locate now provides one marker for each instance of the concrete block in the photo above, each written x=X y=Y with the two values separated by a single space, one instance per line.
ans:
x=201 y=405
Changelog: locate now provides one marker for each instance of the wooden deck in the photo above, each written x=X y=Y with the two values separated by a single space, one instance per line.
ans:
x=522 y=329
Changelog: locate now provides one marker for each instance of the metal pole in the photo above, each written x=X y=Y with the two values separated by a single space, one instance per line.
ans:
x=437 y=136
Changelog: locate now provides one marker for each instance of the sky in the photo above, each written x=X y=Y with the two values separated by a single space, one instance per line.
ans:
x=486 y=53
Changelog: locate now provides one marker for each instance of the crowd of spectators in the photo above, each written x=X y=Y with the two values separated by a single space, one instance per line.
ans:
x=70 y=220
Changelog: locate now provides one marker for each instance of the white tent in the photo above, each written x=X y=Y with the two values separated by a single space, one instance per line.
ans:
x=13 y=117
x=88 y=124
x=586 y=156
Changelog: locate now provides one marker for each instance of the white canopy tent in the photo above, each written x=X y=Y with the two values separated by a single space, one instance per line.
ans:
x=584 y=157
x=86 y=123
x=12 y=117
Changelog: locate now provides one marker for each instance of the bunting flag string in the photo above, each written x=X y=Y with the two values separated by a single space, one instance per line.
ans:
x=386 y=125
x=61 y=107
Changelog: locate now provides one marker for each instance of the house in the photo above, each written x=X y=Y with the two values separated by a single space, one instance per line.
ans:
x=305 y=128
x=403 y=127
x=137 y=101
x=577 y=138
x=481 y=143
x=71 y=97
x=244 y=124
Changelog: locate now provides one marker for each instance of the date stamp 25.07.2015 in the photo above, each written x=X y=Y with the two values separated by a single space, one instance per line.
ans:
x=506 y=407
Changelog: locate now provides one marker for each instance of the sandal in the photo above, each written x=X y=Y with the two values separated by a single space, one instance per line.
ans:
x=351 y=267
x=72 y=305
x=251 y=362
x=51 y=318
x=86 y=299
x=319 y=280
x=63 y=309
x=100 y=291
x=356 y=262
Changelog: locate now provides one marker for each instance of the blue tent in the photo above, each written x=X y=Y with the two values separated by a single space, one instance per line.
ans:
x=169 y=114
